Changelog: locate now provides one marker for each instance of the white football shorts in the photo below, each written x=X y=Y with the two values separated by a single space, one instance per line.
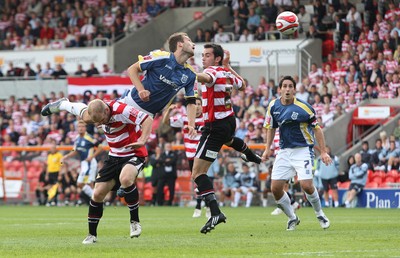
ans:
x=289 y=162
x=88 y=172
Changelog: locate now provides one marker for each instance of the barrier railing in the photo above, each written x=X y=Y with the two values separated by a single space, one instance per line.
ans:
x=22 y=166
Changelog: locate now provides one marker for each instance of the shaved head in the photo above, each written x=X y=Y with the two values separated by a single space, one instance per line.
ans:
x=98 y=111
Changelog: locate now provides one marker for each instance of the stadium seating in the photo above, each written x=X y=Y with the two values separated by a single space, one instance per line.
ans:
x=372 y=185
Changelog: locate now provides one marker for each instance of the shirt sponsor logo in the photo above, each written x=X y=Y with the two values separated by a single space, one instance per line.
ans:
x=166 y=81
x=211 y=154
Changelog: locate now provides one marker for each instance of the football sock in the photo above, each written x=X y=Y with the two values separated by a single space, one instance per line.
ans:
x=94 y=216
x=240 y=146
x=315 y=202
x=284 y=205
x=74 y=108
x=206 y=190
x=198 y=202
x=38 y=196
x=132 y=201
x=87 y=189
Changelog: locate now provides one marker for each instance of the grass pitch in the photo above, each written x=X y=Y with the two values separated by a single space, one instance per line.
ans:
x=172 y=232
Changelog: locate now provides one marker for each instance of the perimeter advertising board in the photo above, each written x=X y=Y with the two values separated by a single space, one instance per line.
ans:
x=68 y=58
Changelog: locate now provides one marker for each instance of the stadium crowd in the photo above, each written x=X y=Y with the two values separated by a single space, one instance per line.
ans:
x=364 y=64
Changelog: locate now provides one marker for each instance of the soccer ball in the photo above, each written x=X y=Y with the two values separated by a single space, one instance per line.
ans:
x=287 y=22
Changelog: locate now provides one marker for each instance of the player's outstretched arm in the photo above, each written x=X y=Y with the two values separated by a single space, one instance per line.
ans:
x=133 y=73
x=204 y=78
x=226 y=64
x=146 y=130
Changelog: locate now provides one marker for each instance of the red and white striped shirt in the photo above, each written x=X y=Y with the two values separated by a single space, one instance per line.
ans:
x=275 y=143
x=383 y=94
x=391 y=66
x=365 y=42
x=216 y=96
x=369 y=64
x=393 y=86
x=181 y=121
x=123 y=128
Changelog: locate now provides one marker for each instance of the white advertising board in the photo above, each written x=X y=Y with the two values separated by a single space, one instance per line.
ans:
x=256 y=53
x=68 y=58
x=373 y=112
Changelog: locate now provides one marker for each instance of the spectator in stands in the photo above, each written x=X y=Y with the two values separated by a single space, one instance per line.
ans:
x=106 y=70
x=229 y=184
x=238 y=27
x=247 y=186
x=242 y=12
x=46 y=72
x=353 y=17
x=28 y=72
x=304 y=19
x=340 y=31
x=375 y=161
x=59 y=72
x=46 y=31
x=253 y=21
x=207 y=36
x=221 y=36
x=312 y=33
x=153 y=8
x=329 y=176
x=92 y=70
x=302 y=94
x=366 y=154
x=390 y=156
x=271 y=11
x=358 y=175
x=13 y=71
x=370 y=93
x=80 y=71
x=247 y=36
x=200 y=37
x=255 y=106
x=260 y=34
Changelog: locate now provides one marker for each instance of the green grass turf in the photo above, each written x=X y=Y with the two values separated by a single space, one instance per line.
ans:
x=172 y=232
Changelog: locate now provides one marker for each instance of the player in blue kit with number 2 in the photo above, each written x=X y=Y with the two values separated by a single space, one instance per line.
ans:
x=298 y=128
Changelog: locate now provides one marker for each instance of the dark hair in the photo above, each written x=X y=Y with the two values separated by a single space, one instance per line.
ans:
x=217 y=51
x=174 y=39
x=287 y=77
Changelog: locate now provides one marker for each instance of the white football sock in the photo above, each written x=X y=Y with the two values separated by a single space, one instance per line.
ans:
x=284 y=204
x=87 y=190
x=315 y=202
x=74 y=108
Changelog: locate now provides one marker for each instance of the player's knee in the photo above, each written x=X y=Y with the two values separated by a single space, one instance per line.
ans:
x=98 y=196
